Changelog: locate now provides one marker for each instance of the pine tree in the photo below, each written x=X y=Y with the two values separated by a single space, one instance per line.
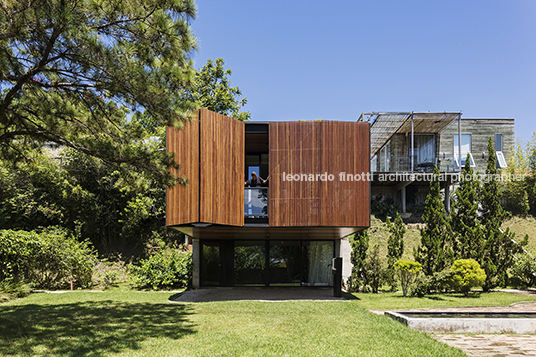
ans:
x=435 y=252
x=395 y=243
x=360 y=245
x=395 y=248
x=500 y=246
x=71 y=71
x=468 y=232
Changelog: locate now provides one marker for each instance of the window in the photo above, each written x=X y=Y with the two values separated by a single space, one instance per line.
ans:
x=466 y=149
x=501 y=162
x=498 y=142
x=385 y=155
x=423 y=151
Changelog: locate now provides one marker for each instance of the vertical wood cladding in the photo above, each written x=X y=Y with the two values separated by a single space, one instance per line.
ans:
x=182 y=202
x=221 y=169
x=319 y=148
x=210 y=151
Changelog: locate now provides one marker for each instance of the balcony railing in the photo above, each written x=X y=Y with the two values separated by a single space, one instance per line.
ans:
x=402 y=163
x=256 y=202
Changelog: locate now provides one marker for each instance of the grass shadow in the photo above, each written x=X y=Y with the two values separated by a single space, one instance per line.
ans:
x=349 y=296
x=88 y=328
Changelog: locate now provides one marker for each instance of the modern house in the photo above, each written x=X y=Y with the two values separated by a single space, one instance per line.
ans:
x=286 y=232
x=406 y=146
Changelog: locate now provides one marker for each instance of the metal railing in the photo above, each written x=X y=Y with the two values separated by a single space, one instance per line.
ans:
x=256 y=202
x=402 y=163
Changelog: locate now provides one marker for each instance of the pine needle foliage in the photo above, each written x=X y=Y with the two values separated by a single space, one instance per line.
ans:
x=468 y=232
x=500 y=246
x=435 y=251
x=71 y=73
x=395 y=243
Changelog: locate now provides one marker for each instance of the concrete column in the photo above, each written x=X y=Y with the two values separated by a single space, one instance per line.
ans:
x=447 y=198
x=196 y=260
x=403 y=198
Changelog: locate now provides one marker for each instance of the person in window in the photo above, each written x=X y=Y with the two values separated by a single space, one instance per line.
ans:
x=255 y=181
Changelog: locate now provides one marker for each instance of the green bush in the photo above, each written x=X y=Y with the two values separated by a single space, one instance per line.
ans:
x=46 y=259
x=425 y=284
x=407 y=271
x=383 y=207
x=170 y=268
x=467 y=274
x=523 y=273
x=13 y=289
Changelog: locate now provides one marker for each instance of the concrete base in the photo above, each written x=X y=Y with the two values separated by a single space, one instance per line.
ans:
x=492 y=324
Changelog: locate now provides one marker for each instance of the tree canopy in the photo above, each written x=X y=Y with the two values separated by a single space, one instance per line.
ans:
x=212 y=90
x=73 y=72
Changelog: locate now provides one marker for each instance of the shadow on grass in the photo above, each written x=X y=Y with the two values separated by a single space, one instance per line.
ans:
x=349 y=296
x=88 y=328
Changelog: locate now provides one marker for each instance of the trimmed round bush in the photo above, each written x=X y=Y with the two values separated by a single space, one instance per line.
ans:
x=467 y=274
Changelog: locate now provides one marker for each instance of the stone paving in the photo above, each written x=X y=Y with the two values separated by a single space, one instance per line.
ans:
x=496 y=345
x=491 y=345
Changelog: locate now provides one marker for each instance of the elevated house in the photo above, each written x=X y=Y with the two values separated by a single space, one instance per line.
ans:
x=287 y=232
x=320 y=178
x=406 y=146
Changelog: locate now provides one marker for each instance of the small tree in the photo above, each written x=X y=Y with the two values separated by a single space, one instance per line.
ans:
x=374 y=272
x=500 y=246
x=467 y=274
x=468 y=232
x=407 y=271
x=435 y=252
x=395 y=247
x=395 y=243
x=360 y=244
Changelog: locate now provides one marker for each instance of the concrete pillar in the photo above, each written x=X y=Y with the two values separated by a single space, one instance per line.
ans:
x=196 y=260
x=403 y=198
x=345 y=253
x=447 y=198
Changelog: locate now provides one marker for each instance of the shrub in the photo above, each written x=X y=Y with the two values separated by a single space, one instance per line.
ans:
x=13 y=290
x=360 y=245
x=46 y=259
x=407 y=271
x=170 y=268
x=524 y=272
x=425 y=284
x=467 y=273
x=383 y=207
x=374 y=271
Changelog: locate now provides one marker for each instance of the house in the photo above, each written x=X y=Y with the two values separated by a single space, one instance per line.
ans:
x=406 y=146
x=287 y=232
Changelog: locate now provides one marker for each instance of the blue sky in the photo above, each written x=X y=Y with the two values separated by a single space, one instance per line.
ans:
x=337 y=59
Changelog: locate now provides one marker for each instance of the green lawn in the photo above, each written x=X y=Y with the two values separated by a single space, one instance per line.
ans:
x=145 y=324
x=395 y=301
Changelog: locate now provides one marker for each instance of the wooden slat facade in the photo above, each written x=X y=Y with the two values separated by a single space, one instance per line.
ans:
x=316 y=148
x=221 y=169
x=182 y=202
